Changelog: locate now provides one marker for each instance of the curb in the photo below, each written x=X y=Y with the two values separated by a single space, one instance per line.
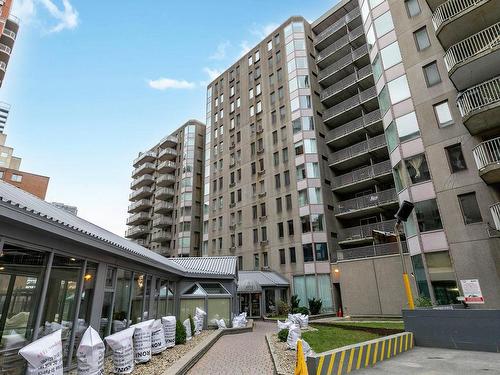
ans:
x=277 y=368
x=184 y=364
x=361 y=355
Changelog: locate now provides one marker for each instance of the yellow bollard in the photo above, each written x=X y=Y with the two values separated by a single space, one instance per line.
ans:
x=409 y=296
x=300 y=363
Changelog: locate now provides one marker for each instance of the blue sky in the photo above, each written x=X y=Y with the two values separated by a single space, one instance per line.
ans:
x=92 y=83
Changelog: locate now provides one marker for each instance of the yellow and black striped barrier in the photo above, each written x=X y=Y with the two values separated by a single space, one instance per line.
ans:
x=365 y=354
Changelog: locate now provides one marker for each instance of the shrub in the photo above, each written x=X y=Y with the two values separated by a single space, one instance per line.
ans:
x=315 y=306
x=191 y=324
x=423 y=301
x=283 y=308
x=295 y=301
x=180 y=333
x=302 y=310
x=283 y=335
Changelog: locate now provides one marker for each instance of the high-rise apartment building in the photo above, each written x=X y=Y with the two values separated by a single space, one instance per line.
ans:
x=316 y=135
x=70 y=209
x=9 y=25
x=165 y=213
x=4 y=113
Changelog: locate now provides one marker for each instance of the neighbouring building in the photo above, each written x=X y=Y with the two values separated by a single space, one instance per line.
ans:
x=165 y=210
x=58 y=271
x=9 y=25
x=318 y=132
x=4 y=113
x=71 y=209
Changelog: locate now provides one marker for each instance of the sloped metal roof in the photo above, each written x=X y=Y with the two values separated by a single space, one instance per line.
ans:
x=16 y=197
x=208 y=265
x=263 y=278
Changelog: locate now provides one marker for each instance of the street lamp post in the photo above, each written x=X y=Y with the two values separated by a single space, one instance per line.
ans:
x=402 y=215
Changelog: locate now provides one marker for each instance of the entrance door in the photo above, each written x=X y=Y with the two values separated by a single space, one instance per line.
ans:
x=255 y=308
x=250 y=303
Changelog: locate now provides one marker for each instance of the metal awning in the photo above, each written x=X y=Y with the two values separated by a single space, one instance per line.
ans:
x=254 y=281
x=249 y=286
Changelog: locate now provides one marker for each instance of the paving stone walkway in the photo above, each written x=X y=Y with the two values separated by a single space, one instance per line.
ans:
x=244 y=353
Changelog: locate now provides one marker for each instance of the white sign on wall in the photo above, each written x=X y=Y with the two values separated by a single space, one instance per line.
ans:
x=472 y=291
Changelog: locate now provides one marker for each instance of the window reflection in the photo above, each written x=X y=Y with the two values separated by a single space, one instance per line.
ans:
x=122 y=297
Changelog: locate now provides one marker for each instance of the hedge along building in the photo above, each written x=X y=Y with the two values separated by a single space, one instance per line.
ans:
x=57 y=269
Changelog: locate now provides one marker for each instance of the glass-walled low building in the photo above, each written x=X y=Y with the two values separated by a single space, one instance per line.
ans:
x=58 y=271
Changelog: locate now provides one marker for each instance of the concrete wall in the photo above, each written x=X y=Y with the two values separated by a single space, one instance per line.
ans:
x=373 y=286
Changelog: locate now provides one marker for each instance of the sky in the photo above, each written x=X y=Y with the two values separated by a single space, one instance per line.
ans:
x=92 y=83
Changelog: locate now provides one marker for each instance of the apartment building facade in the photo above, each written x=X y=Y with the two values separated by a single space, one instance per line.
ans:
x=165 y=210
x=9 y=26
x=265 y=190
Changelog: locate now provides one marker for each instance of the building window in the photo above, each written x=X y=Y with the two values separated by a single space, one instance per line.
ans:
x=321 y=251
x=266 y=260
x=255 y=235
x=269 y=45
x=391 y=55
x=443 y=114
x=412 y=8
x=240 y=239
x=263 y=232
x=1 y=174
x=276 y=158
x=279 y=205
x=291 y=230
x=240 y=263
x=421 y=38
x=288 y=202
x=286 y=175
x=277 y=181
x=428 y=217
x=16 y=178
x=470 y=208
x=456 y=158
x=282 y=256
x=308 y=252
x=281 y=230
x=418 y=169
x=293 y=259
x=383 y=24
x=256 y=262
x=431 y=73
x=399 y=89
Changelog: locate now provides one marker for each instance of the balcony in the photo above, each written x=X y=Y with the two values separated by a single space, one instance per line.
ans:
x=480 y=106
x=350 y=109
x=8 y=37
x=167 y=154
x=141 y=217
x=169 y=141
x=338 y=28
x=142 y=242
x=162 y=222
x=341 y=47
x=495 y=213
x=455 y=20
x=144 y=180
x=161 y=236
x=344 y=66
x=362 y=177
x=145 y=157
x=164 y=193
x=359 y=153
x=3 y=66
x=163 y=207
x=366 y=204
x=474 y=59
x=165 y=180
x=136 y=232
x=370 y=251
x=364 y=233
x=143 y=169
x=360 y=78
x=143 y=192
x=143 y=204
x=356 y=129
x=487 y=157
x=166 y=166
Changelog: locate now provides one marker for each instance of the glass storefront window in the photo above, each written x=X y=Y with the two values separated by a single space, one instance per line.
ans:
x=122 y=300
x=442 y=277
x=188 y=307
x=218 y=308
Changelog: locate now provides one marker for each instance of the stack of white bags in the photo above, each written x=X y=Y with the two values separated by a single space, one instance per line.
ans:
x=240 y=321
x=135 y=344
x=293 y=324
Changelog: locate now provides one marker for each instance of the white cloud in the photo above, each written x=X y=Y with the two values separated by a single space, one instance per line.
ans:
x=212 y=73
x=167 y=83
x=64 y=13
x=220 y=51
x=262 y=31
x=244 y=47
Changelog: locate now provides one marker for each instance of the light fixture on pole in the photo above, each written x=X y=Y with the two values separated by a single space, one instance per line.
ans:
x=402 y=215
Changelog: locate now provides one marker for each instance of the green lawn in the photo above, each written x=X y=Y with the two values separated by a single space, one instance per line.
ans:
x=329 y=337
x=279 y=317
x=391 y=325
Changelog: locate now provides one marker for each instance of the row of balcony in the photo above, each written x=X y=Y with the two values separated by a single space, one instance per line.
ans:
x=337 y=26
x=163 y=207
x=391 y=248
x=140 y=205
x=337 y=48
x=342 y=110
x=138 y=218
x=362 y=176
x=137 y=231
x=367 y=203
x=328 y=75
x=151 y=156
x=161 y=236
x=349 y=81
x=148 y=179
x=487 y=157
x=358 y=149
x=162 y=221
x=146 y=192
x=364 y=232
x=355 y=126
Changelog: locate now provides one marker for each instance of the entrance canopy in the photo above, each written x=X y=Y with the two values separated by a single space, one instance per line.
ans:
x=254 y=281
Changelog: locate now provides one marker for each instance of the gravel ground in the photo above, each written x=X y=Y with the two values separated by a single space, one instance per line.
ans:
x=160 y=362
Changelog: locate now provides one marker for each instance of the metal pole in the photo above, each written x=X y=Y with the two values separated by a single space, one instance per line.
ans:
x=406 y=280
x=78 y=300
x=43 y=296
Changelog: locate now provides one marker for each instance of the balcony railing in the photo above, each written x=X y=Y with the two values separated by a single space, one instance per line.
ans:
x=164 y=192
x=139 y=205
x=366 y=201
x=160 y=222
x=482 y=41
x=163 y=206
x=365 y=231
x=350 y=103
x=167 y=153
x=144 y=167
x=5 y=49
x=337 y=25
x=166 y=165
x=479 y=96
x=495 y=212
x=137 y=231
x=150 y=155
x=14 y=19
x=11 y=34
x=3 y=66
x=142 y=192
x=169 y=140
x=487 y=153
x=165 y=180
x=354 y=125
x=136 y=218
x=362 y=174
x=371 y=251
x=140 y=180
x=345 y=40
x=358 y=149
x=451 y=9
x=161 y=235
x=343 y=62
